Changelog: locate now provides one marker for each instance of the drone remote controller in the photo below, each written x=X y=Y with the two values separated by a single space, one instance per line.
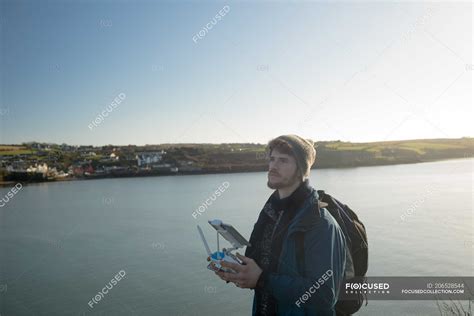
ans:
x=232 y=236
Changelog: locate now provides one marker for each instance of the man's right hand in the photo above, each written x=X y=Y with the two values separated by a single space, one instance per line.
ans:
x=216 y=269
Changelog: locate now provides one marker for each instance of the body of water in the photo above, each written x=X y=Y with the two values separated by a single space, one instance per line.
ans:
x=61 y=243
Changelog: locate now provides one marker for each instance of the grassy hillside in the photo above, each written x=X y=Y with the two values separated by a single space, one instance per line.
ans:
x=237 y=157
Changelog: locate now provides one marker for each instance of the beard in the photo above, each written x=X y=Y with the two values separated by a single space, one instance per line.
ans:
x=283 y=182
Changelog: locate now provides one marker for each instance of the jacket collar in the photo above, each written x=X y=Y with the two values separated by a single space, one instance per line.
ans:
x=292 y=202
x=307 y=215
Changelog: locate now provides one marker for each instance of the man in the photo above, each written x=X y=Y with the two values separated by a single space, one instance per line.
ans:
x=284 y=286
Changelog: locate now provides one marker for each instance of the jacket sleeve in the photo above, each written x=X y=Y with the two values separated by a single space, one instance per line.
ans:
x=325 y=254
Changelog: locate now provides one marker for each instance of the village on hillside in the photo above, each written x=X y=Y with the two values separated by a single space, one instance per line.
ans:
x=38 y=162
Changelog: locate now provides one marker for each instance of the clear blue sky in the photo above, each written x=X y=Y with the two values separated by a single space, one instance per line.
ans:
x=349 y=71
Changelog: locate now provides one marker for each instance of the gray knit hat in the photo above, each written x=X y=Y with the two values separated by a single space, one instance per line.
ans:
x=303 y=150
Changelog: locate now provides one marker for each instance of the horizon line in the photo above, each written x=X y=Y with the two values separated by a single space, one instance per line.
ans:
x=169 y=144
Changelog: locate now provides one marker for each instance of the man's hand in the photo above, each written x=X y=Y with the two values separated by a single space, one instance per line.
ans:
x=247 y=275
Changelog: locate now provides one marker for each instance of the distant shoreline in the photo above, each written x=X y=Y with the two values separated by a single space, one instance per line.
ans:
x=46 y=162
x=11 y=183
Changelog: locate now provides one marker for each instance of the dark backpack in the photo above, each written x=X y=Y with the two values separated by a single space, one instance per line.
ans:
x=356 y=239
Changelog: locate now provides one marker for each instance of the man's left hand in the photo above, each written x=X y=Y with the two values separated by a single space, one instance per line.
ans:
x=247 y=274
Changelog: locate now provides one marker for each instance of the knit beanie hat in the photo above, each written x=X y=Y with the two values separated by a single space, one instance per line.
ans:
x=303 y=150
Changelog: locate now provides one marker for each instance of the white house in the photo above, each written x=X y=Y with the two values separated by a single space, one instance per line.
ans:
x=147 y=158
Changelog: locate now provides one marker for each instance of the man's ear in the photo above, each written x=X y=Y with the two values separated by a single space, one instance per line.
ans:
x=300 y=174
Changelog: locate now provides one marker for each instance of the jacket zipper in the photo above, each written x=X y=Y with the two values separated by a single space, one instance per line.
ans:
x=276 y=224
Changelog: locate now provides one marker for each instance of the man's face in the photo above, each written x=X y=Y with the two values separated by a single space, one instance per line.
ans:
x=282 y=170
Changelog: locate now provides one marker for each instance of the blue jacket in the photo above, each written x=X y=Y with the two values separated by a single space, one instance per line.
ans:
x=315 y=292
